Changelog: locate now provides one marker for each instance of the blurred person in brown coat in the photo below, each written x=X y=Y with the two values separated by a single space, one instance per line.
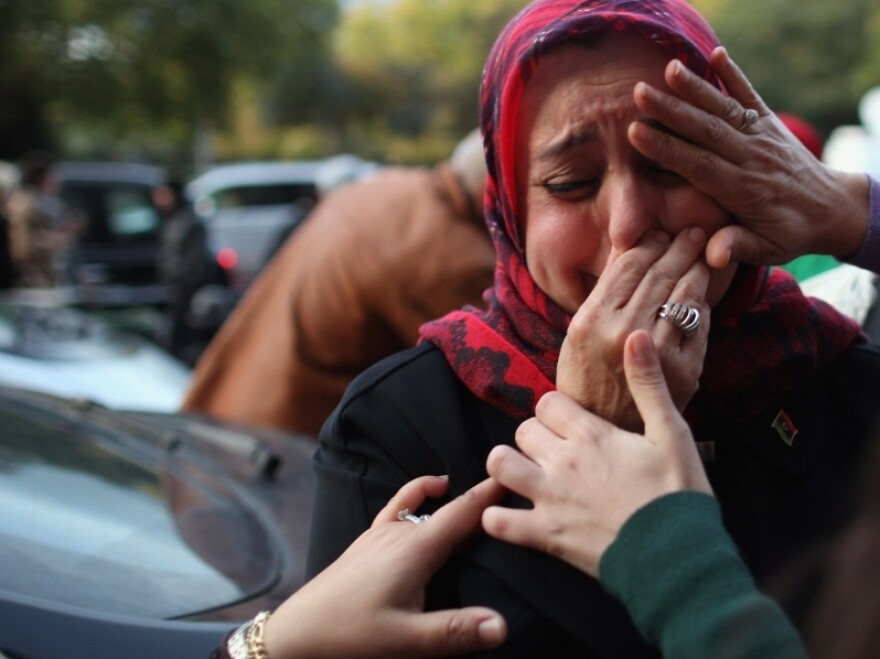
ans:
x=375 y=259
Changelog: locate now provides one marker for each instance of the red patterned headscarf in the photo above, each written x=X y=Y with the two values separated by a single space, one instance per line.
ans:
x=766 y=337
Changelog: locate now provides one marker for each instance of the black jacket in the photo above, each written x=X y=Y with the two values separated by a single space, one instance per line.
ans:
x=410 y=415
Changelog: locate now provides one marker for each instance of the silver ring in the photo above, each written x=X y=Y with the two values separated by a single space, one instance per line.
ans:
x=681 y=316
x=405 y=515
x=749 y=116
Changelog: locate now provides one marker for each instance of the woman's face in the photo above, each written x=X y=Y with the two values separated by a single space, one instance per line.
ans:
x=586 y=194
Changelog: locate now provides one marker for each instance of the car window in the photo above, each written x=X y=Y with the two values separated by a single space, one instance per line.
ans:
x=112 y=209
x=263 y=195
x=130 y=212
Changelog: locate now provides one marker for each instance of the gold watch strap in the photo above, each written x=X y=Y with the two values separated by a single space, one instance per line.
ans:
x=255 y=646
x=237 y=646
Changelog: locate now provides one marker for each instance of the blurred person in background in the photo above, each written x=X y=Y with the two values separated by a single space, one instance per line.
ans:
x=185 y=266
x=8 y=180
x=375 y=259
x=41 y=233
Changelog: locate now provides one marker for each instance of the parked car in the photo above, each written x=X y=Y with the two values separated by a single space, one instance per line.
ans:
x=51 y=348
x=120 y=241
x=141 y=535
x=248 y=207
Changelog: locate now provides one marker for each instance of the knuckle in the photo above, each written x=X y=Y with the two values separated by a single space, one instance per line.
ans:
x=628 y=267
x=665 y=275
x=579 y=326
x=617 y=340
x=497 y=522
x=705 y=166
x=609 y=344
x=469 y=496
x=670 y=149
x=716 y=129
x=459 y=634
x=691 y=293
x=732 y=109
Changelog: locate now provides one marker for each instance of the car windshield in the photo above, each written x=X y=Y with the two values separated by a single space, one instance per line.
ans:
x=98 y=519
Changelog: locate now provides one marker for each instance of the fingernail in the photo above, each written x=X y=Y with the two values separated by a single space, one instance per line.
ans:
x=677 y=68
x=639 y=131
x=491 y=630
x=644 y=89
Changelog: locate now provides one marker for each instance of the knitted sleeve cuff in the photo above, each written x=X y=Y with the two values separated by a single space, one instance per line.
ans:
x=868 y=256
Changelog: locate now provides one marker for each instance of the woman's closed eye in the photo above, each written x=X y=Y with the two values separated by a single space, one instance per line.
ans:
x=573 y=189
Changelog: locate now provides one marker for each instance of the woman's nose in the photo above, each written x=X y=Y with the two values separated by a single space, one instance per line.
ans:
x=632 y=208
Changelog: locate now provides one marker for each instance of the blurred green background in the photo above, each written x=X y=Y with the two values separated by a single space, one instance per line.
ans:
x=184 y=83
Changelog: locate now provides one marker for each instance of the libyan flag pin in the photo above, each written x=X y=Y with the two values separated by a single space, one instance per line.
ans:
x=786 y=429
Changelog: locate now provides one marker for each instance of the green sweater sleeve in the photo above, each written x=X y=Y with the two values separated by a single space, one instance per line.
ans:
x=680 y=576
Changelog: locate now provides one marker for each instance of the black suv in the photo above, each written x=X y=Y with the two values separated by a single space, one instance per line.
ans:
x=122 y=227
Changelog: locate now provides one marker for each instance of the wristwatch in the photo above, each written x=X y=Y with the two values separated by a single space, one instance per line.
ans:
x=237 y=645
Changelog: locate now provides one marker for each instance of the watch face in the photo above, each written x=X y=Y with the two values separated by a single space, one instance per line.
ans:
x=237 y=643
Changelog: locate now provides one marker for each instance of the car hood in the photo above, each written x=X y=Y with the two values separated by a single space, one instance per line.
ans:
x=151 y=515
x=59 y=350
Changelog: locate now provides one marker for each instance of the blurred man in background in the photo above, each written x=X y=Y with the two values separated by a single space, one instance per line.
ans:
x=185 y=266
x=41 y=234
x=374 y=260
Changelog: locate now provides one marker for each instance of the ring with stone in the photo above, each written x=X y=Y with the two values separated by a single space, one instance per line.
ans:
x=749 y=117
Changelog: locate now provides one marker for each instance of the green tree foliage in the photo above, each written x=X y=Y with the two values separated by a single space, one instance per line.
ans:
x=150 y=68
x=395 y=80
x=22 y=90
x=422 y=60
x=421 y=64
x=867 y=73
x=814 y=58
